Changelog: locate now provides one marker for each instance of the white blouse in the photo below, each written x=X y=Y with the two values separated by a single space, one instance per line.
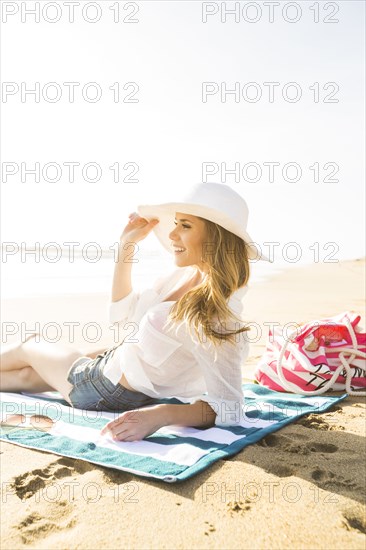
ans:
x=166 y=363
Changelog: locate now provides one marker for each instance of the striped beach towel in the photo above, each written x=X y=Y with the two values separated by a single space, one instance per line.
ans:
x=171 y=454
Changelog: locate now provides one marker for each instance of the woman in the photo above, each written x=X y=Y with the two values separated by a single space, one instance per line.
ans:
x=186 y=339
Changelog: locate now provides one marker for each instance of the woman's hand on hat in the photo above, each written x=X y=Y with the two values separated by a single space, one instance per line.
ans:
x=137 y=228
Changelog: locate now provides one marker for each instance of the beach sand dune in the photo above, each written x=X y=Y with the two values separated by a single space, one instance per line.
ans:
x=302 y=487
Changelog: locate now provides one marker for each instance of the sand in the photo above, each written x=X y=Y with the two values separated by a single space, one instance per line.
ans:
x=300 y=488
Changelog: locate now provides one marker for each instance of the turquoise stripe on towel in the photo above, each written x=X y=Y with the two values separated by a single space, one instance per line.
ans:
x=173 y=453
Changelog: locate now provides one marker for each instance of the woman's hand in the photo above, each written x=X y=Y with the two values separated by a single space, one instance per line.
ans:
x=134 y=425
x=137 y=228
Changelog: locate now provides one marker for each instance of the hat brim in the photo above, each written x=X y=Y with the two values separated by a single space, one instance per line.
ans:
x=166 y=212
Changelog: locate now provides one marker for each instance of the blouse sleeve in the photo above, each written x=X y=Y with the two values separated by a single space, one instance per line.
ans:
x=221 y=369
x=122 y=310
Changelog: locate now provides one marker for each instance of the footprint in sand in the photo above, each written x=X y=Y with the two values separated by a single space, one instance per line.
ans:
x=56 y=517
x=355 y=518
x=320 y=475
x=26 y=485
x=321 y=447
x=77 y=466
x=314 y=422
x=284 y=443
x=324 y=479
x=53 y=514
x=332 y=482
x=287 y=443
x=324 y=422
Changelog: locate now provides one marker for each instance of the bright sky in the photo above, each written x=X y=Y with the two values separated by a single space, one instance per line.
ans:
x=170 y=131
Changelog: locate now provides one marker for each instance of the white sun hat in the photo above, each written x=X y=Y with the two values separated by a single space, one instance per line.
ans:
x=216 y=202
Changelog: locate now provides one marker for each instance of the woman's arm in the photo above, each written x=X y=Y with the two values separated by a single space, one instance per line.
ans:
x=139 y=423
x=137 y=229
x=121 y=285
x=197 y=415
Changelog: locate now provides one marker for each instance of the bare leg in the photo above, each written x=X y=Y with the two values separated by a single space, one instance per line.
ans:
x=25 y=379
x=32 y=365
x=10 y=356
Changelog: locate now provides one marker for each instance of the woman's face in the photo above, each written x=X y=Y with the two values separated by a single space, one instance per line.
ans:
x=189 y=235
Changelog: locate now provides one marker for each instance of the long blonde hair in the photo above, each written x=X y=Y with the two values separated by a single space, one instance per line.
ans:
x=227 y=260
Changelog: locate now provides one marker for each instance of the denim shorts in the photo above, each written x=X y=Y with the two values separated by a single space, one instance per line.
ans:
x=95 y=392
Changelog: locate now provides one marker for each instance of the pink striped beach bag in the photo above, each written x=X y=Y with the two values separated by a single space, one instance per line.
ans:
x=324 y=355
